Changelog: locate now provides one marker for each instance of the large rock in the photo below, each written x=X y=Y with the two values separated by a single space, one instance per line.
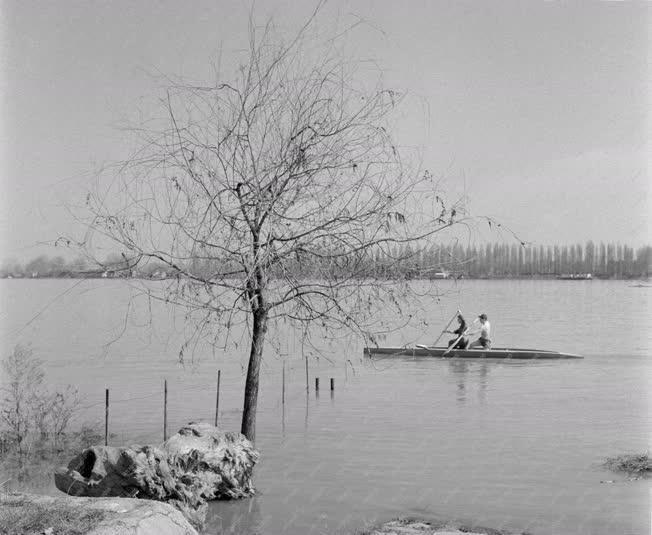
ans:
x=225 y=460
x=31 y=514
x=133 y=472
x=197 y=464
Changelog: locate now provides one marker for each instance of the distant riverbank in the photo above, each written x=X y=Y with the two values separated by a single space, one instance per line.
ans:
x=171 y=276
x=516 y=260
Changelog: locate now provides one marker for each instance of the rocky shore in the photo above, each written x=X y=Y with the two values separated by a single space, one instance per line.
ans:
x=198 y=464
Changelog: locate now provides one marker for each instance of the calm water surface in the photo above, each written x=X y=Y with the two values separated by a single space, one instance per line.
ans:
x=513 y=445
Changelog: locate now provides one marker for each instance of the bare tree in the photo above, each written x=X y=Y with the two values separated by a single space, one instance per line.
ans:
x=274 y=195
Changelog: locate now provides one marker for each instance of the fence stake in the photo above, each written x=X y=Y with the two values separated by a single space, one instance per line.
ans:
x=106 y=418
x=283 y=395
x=217 y=396
x=165 y=410
x=307 y=381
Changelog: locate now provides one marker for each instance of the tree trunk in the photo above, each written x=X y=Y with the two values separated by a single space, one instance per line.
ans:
x=253 y=371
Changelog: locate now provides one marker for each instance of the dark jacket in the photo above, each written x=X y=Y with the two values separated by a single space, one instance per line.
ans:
x=461 y=328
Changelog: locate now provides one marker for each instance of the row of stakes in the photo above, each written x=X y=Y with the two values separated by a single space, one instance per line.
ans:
x=317 y=383
x=217 y=402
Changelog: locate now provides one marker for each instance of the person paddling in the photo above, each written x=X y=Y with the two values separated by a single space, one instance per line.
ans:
x=460 y=340
x=484 y=340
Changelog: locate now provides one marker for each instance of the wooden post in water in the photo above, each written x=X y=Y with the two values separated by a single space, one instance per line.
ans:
x=165 y=410
x=317 y=384
x=307 y=380
x=332 y=384
x=283 y=393
x=106 y=418
x=217 y=396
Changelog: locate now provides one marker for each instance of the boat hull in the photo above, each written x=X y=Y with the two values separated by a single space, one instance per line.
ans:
x=497 y=353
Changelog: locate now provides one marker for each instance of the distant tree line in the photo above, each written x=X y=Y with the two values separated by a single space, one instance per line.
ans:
x=492 y=260
x=44 y=266
x=516 y=260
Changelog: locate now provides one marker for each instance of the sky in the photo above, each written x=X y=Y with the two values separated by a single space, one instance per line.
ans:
x=538 y=113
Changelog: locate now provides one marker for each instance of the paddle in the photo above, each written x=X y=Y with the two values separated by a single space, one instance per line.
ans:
x=422 y=346
x=455 y=342
x=447 y=326
x=460 y=337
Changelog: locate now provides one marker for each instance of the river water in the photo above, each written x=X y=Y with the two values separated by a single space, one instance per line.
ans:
x=504 y=444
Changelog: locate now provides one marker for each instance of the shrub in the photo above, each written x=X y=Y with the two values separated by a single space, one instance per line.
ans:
x=27 y=409
x=25 y=379
x=89 y=436
x=63 y=406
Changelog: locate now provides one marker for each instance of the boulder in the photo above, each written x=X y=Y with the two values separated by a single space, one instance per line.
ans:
x=197 y=464
x=133 y=472
x=224 y=460
x=29 y=514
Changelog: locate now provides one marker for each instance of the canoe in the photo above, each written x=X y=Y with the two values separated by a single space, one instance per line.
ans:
x=493 y=353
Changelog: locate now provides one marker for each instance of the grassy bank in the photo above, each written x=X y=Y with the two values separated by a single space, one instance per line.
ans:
x=18 y=517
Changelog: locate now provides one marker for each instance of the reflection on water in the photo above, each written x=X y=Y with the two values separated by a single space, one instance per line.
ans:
x=235 y=517
x=465 y=371
x=484 y=370
x=460 y=369
x=283 y=420
x=513 y=445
